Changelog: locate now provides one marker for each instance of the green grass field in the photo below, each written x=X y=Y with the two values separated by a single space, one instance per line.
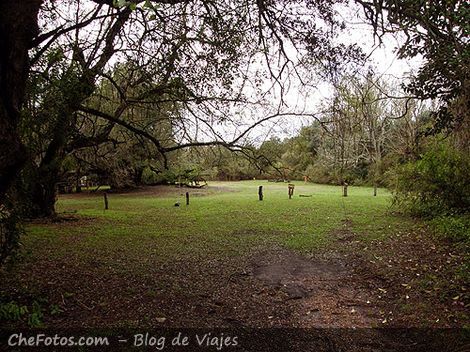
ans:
x=230 y=218
x=144 y=259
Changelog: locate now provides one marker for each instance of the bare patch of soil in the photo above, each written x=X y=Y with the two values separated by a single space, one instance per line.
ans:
x=327 y=293
x=291 y=271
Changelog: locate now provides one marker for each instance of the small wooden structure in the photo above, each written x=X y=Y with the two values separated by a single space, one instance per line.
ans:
x=345 y=189
x=199 y=183
x=290 y=189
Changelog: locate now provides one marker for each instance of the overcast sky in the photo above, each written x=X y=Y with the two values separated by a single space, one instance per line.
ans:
x=382 y=58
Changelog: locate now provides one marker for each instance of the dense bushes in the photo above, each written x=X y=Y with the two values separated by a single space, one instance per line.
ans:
x=454 y=227
x=437 y=183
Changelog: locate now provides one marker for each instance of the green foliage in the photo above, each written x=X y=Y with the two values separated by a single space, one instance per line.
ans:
x=150 y=177
x=171 y=176
x=55 y=309
x=454 y=227
x=319 y=173
x=36 y=316
x=435 y=184
x=216 y=163
x=441 y=42
x=14 y=312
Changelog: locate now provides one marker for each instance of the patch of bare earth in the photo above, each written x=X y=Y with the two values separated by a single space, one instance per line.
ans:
x=324 y=290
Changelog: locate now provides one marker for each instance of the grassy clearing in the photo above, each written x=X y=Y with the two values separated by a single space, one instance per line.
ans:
x=144 y=258
x=224 y=222
x=227 y=219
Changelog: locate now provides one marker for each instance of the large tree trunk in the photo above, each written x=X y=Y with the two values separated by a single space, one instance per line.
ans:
x=38 y=190
x=18 y=26
x=76 y=90
x=47 y=174
x=43 y=198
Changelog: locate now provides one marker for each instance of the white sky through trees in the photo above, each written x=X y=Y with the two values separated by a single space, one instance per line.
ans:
x=299 y=99
x=381 y=58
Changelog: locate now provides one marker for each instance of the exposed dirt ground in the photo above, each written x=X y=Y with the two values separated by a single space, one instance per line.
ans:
x=340 y=287
x=267 y=288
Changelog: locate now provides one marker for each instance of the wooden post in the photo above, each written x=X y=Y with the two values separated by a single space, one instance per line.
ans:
x=291 y=190
x=187 y=198
x=375 y=190
x=260 y=192
x=105 y=195
x=345 y=189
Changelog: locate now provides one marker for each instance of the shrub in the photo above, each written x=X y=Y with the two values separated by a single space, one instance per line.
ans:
x=437 y=183
x=150 y=177
x=318 y=173
x=13 y=312
x=454 y=227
